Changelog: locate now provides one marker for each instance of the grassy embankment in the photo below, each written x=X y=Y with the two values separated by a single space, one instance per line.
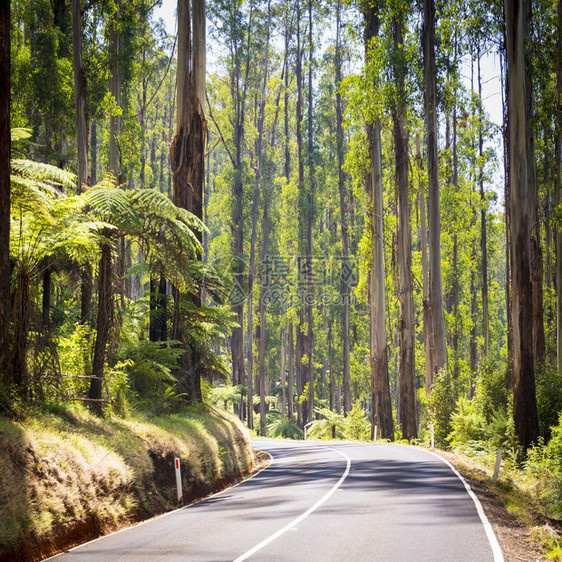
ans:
x=521 y=494
x=66 y=476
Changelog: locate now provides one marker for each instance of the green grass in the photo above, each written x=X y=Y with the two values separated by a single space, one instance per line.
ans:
x=67 y=476
x=519 y=493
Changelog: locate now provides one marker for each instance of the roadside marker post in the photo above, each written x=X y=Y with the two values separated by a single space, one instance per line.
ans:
x=497 y=467
x=375 y=433
x=432 y=426
x=178 y=480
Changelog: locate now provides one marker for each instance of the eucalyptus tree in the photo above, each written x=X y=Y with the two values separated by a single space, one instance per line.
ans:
x=4 y=187
x=79 y=95
x=434 y=215
x=521 y=203
x=399 y=112
x=187 y=154
x=380 y=383
x=345 y=289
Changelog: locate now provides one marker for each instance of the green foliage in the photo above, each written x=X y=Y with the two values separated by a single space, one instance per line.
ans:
x=282 y=427
x=467 y=422
x=440 y=407
x=492 y=388
x=357 y=427
x=545 y=462
x=548 y=382
x=149 y=367
x=224 y=394
x=330 y=426
x=500 y=432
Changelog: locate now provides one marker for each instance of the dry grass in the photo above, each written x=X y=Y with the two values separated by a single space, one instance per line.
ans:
x=68 y=477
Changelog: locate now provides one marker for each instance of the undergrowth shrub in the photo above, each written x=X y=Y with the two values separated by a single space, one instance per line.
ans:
x=467 y=422
x=549 y=398
x=356 y=425
x=493 y=388
x=544 y=461
x=284 y=428
x=440 y=405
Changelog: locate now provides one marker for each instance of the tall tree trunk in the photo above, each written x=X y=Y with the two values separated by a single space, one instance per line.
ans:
x=483 y=228
x=309 y=379
x=434 y=205
x=427 y=317
x=381 y=407
x=539 y=343
x=5 y=270
x=558 y=196
x=290 y=374
x=115 y=91
x=406 y=322
x=300 y=345
x=344 y=289
x=103 y=329
x=282 y=373
x=79 y=96
x=187 y=158
x=94 y=151
x=262 y=305
x=255 y=205
x=237 y=222
x=524 y=395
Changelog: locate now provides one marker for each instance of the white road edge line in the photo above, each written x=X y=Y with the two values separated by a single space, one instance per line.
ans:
x=492 y=539
x=296 y=521
x=162 y=515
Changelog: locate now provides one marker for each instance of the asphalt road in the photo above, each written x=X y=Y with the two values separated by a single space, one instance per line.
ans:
x=319 y=502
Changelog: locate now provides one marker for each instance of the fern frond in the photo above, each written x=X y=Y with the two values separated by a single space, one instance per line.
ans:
x=20 y=133
x=40 y=172
x=113 y=206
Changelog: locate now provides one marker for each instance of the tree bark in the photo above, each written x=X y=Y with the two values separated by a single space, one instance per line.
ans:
x=539 y=343
x=344 y=288
x=427 y=317
x=262 y=305
x=406 y=322
x=79 y=96
x=483 y=228
x=309 y=347
x=558 y=196
x=255 y=205
x=434 y=205
x=187 y=159
x=103 y=329
x=115 y=91
x=524 y=395
x=5 y=155
x=381 y=407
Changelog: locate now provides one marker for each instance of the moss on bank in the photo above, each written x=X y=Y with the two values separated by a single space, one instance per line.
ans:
x=66 y=476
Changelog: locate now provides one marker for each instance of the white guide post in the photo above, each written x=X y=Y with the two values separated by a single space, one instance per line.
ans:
x=497 y=467
x=432 y=427
x=178 y=480
x=375 y=433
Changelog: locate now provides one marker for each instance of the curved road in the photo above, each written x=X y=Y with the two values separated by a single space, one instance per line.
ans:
x=319 y=502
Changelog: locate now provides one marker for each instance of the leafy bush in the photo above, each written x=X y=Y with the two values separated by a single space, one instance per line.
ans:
x=149 y=367
x=440 y=406
x=500 y=432
x=493 y=389
x=549 y=398
x=467 y=422
x=356 y=426
x=545 y=462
